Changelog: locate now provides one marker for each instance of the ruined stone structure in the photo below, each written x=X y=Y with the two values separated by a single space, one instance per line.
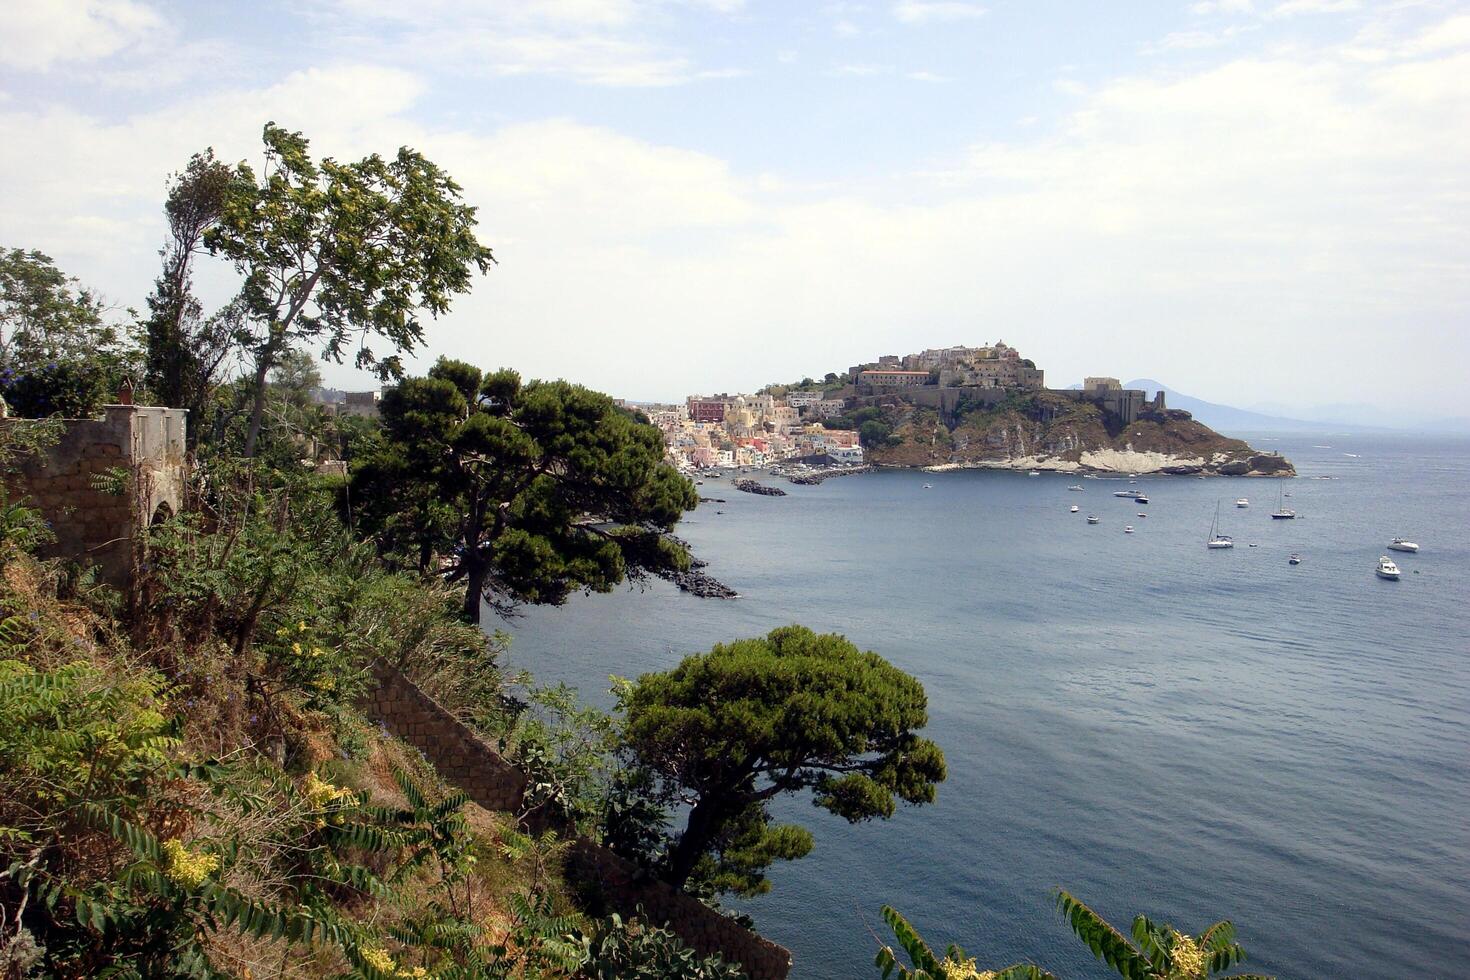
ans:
x=468 y=762
x=95 y=525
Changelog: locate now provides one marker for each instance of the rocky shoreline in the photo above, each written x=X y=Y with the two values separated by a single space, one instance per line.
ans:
x=814 y=478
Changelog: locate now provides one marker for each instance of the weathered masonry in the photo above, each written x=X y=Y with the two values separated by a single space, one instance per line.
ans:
x=95 y=524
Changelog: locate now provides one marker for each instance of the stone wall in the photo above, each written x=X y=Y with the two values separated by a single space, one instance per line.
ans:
x=467 y=761
x=462 y=757
x=627 y=887
x=93 y=526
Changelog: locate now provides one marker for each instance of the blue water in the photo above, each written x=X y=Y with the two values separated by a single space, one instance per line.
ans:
x=1155 y=727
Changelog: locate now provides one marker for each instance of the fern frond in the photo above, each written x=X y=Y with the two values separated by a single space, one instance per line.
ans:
x=1106 y=942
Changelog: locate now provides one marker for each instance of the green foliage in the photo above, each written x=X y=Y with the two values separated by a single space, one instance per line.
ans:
x=335 y=253
x=534 y=491
x=565 y=748
x=926 y=966
x=58 y=353
x=632 y=949
x=726 y=731
x=1157 y=952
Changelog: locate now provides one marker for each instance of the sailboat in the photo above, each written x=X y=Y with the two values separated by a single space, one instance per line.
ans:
x=1216 y=539
x=1281 y=513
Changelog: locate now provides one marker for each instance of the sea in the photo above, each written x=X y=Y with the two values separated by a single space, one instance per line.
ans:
x=1155 y=727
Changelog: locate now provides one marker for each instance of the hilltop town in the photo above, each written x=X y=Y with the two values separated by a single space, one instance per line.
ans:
x=950 y=407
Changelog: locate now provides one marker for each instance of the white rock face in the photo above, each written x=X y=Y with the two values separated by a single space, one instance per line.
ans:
x=1101 y=460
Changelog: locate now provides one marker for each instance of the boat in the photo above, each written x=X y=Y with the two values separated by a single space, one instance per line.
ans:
x=1402 y=544
x=1127 y=528
x=1128 y=493
x=1140 y=499
x=1073 y=510
x=1093 y=519
x=1077 y=486
x=1142 y=514
x=1216 y=539
x=1387 y=569
x=928 y=486
x=1033 y=473
x=1294 y=560
x=1242 y=502
x=1281 y=513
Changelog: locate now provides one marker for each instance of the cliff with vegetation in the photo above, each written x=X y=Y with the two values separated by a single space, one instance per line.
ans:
x=1048 y=431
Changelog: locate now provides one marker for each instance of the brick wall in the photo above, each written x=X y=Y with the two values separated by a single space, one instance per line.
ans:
x=467 y=761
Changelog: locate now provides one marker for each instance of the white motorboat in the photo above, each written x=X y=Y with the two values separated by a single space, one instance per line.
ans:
x=1142 y=514
x=1033 y=473
x=1402 y=544
x=1093 y=519
x=1140 y=499
x=1127 y=528
x=1074 y=509
x=1294 y=560
x=1216 y=539
x=1077 y=486
x=1131 y=494
x=1387 y=569
x=1242 y=502
x=928 y=486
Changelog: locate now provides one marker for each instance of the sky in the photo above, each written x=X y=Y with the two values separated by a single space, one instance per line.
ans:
x=1252 y=201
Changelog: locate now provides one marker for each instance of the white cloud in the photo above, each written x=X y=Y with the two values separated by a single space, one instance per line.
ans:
x=1291 y=8
x=39 y=35
x=933 y=11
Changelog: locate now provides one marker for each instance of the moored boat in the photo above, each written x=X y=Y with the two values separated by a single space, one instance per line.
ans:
x=1074 y=509
x=1093 y=519
x=1402 y=544
x=1387 y=569
x=1216 y=540
x=1294 y=560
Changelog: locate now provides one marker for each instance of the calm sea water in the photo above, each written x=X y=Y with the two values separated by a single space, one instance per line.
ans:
x=1155 y=727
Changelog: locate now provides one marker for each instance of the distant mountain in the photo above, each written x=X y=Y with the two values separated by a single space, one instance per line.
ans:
x=1224 y=418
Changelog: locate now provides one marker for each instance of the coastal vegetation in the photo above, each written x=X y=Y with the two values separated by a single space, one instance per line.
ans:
x=1156 y=952
x=528 y=492
x=726 y=732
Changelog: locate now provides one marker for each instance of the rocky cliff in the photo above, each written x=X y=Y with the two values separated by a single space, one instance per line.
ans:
x=1045 y=431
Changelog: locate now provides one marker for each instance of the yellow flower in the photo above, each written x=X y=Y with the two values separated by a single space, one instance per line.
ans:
x=296 y=649
x=415 y=973
x=954 y=969
x=378 y=959
x=187 y=868
x=282 y=631
x=318 y=652
x=301 y=626
x=1188 y=958
x=319 y=793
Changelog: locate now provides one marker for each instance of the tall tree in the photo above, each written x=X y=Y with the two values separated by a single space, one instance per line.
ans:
x=59 y=353
x=531 y=491
x=338 y=253
x=729 y=730
x=186 y=350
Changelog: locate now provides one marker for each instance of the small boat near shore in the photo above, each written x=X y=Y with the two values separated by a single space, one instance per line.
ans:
x=1242 y=502
x=1074 y=509
x=1131 y=494
x=1077 y=486
x=1093 y=519
x=1127 y=528
x=1387 y=569
x=1402 y=544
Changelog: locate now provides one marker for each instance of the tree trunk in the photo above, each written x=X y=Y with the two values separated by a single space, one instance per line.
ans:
x=701 y=829
x=257 y=410
x=474 y=593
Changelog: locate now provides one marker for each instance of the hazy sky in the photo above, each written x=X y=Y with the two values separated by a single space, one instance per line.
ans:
x=1250 y=200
